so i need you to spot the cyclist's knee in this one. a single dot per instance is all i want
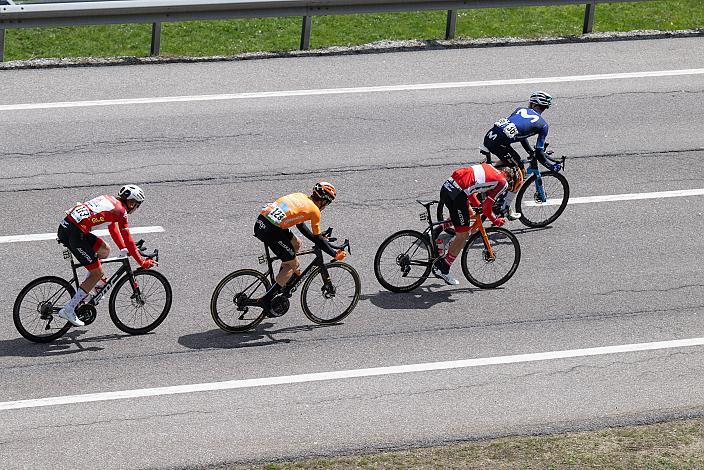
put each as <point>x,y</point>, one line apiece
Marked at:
<point>296,242</point>
<point>101,249</point>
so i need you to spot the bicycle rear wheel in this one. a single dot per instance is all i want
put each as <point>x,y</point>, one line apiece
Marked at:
<point>330,300</point>
<point>140,311</point>
<point>37,308</point>
<point>403,261</point>
<point>227,305</point>
<point>480,268</point>
<point>541,208</point>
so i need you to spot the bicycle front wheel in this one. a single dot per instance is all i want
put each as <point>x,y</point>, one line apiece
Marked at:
<point>37,308</point>
<point>485,271</point>
<point>403,261</point>
<point>329,294</point>
<point>228,305</point>
<point>540,204</point>
<point>139,310</point>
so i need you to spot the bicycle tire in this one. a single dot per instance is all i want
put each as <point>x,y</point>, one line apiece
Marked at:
<point>527,211</point>
<point>476,241</point>
<point>402,263</point>
<point>218,314</point>
<point>17,315</point>
<point>146,291</point>
<point>330,292</point>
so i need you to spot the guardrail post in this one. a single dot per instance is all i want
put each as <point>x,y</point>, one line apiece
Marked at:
<point>2,45</point>
<point>451,24</point>
<point>305,32</point>
<point>589,17</point>
<point>156,39</point>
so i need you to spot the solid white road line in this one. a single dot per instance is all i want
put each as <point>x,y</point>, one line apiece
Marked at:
<point>52,236</point>
<point>348,374</point>
<point>621,197</point>
<point>338,91</point>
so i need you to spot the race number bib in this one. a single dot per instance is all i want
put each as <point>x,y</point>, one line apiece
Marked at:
<point>509,128</point>
<point>79,213</point>
<point>275,214</point>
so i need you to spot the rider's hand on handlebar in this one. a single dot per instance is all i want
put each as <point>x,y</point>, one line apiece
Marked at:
<point>124,253</point>
<point>149,263</point>
<point>340,255</point>
<point>500,221</point>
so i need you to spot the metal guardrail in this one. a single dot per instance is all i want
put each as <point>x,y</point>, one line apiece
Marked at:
<point>47,13</point>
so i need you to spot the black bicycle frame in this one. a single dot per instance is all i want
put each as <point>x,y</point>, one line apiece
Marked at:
<point>117,275</point>
<point>295,280</point>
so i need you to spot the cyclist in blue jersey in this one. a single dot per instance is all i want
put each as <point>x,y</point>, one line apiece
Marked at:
<point>518,127</point>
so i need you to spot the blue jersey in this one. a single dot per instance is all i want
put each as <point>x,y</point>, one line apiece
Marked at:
<point>523,123</point>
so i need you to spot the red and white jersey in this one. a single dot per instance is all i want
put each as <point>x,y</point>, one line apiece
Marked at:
<point>480,179</point>
<point>98,211</point>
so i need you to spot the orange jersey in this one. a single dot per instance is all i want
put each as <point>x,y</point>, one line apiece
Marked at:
<point>291,210</point>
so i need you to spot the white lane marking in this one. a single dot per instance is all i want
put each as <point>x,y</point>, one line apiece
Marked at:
<point>620,197</point>
<point>337,91</point>
<point>348,374</point>
<point>52,236</point>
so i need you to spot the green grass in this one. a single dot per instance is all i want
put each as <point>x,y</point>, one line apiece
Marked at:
<point>282,34</point>
<point>675,445</point>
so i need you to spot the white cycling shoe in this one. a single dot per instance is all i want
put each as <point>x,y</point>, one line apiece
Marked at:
<point>512,214</point>
<point>70,316</point>
<point>449,280</point>
<point>447,277</point>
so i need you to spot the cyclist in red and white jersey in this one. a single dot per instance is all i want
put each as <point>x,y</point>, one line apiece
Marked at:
<point>75,233</point>
<point>457,194</point>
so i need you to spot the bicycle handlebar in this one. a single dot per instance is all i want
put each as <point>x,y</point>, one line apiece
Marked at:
<point>153,255</point>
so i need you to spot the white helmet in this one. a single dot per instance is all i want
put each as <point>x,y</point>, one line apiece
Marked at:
<point>131,192</point>
<point>541,98</point>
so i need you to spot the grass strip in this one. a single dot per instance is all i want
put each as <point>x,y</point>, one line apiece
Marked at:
<point>207,38</point>
<point>671,445</point>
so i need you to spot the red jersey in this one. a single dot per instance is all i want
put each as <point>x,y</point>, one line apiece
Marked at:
<point>106,210</point>
<point>482,178</point>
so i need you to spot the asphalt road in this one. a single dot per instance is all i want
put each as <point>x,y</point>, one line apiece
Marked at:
<point>605,274</point>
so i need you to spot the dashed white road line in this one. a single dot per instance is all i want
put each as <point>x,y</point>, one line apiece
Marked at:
<point>351,90</point>
<point>52,236</point>
<point>621,197</point>
<point>348,374</point>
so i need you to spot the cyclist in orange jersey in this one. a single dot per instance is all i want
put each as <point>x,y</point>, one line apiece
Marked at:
<point>273,228</point>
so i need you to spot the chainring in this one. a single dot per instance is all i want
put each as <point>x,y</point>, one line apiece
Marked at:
<point>87,313</point>
<point>279,305</point>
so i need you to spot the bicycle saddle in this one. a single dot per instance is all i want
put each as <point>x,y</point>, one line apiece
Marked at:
<point>426,203</point>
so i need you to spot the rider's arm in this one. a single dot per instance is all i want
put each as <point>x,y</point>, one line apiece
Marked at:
<point>526,145</point>
<point>128,242</point>
<point>319,240</point>
<point>116,237</point>
<point>488,204</point>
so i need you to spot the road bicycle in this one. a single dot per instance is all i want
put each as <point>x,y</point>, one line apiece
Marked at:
<point>329,293</point>
<point>405,259</point>
<point>140,301</point>
<point>542,197</point>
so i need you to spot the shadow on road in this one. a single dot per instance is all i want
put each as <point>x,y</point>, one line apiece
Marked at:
<point>519,231</point>
<point>70,343</point>
<point>262,335</point>
<point>422,298</point>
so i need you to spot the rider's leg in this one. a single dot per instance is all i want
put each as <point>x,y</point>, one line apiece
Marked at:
<point>509,157</point>
<point>102,250</point>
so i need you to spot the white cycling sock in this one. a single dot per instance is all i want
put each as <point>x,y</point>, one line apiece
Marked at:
<point>77,297</point>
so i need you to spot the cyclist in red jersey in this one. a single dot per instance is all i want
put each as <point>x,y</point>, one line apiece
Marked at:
<point>457,194</point>
<point>75,233</point>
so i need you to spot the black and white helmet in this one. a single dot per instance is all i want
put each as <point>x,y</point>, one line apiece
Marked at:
<point>131,192</point>
<point>541,98</point>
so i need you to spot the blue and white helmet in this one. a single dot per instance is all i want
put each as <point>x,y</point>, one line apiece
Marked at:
<point>541,98</point>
